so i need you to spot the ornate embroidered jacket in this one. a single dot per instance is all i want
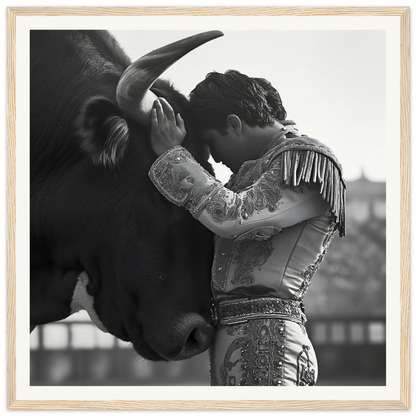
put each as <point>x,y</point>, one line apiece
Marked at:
<point>274,222</point>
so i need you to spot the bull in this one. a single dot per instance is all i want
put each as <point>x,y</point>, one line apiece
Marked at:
<point>93,207</point>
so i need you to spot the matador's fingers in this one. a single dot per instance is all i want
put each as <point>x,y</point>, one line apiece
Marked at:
<point>154,123</point>
<point>180,122</point>
<point>167,109</point>
<point>159,111</point>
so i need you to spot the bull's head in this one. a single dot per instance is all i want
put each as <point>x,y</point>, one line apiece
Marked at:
<point>155,290</point>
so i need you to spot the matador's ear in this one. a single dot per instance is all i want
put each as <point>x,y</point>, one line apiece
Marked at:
<point>234,124</point>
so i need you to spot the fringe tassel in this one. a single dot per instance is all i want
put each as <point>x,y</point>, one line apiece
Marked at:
<point>310,166</point>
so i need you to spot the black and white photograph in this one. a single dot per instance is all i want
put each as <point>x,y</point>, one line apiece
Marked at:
<point>208,205</point>
<point>140,266</point>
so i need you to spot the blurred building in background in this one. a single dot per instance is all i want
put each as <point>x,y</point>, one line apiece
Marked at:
<point>345,305</point>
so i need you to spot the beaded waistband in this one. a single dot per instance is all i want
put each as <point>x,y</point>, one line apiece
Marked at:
<point>241,310</point>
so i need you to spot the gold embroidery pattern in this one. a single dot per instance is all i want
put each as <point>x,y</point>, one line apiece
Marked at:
<point>240,310</point>
<point>259,352</point>
<point>224,249</point>
<point>224,255</point>
<point>311,270</point>
<point>220,209</point>
<point>300,159</point>
<point>306,372</point>
<point>259,233</point>
<point>197,204</point>
<point>250,255</point>
<point>264,194</point>
<point>182,180</point>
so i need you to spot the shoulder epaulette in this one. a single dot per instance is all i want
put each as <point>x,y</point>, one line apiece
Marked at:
<point>307,160</point>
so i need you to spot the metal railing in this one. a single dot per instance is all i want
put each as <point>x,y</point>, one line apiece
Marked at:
<point>351,351</point>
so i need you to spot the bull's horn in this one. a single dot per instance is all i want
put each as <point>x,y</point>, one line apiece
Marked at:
<point>133,95</point>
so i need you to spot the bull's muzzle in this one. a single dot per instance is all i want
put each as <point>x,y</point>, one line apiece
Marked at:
<point>133,95</point>
<point>175,339</point>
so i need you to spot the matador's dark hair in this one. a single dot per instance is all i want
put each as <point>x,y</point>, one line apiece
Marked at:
<point>254,100</point>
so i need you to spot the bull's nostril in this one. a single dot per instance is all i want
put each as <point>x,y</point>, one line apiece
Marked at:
<point>199,339</point>
<point>189,336</point>
<point>193,339</point>
<point>196,337</point>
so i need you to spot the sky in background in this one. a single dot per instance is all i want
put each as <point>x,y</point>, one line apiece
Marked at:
<point>332,83</point>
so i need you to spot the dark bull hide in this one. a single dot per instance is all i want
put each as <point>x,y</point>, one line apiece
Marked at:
<point>93,207</point>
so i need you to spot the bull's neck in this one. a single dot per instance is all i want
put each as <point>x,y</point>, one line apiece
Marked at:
<point>51,292</point>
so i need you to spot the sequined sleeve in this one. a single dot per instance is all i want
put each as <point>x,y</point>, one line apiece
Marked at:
<point>265,205</point>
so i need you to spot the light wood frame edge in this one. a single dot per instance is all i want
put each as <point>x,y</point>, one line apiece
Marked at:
<point>12,12</point>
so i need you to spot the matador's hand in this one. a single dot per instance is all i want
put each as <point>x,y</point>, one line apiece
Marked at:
<point>166,130</point>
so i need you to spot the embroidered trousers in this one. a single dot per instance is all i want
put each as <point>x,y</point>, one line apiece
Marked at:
<point>263,352</point>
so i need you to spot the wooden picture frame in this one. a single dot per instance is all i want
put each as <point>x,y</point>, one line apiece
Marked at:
<point>401,399</point>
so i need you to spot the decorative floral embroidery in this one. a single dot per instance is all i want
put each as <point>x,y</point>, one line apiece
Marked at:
<point>258,354</point>
<point>244,347</point>
<point>252,251</point>
<point>263,194</point>
<point>252,170</point>
<point>224,249</point>
<point>220,209</point>
<point>306,372</point>
<point>310,270</point>
<point>196,204</point>
<point>259,234</point>
<point>180,178</point>
<point>300,160</point>
<point>250,254</point>
<point>307,276</point>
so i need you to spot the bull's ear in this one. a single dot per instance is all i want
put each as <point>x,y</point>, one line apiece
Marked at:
<point>104,132</point>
